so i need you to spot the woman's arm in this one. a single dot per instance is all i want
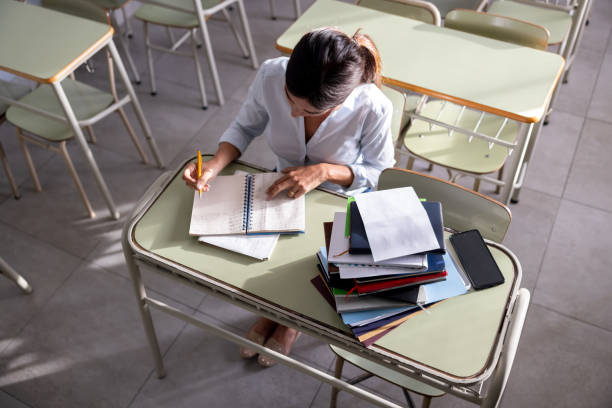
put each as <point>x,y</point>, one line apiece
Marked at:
<point>226,153</point>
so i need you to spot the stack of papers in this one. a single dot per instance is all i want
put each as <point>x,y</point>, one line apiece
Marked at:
<point>380,266</point>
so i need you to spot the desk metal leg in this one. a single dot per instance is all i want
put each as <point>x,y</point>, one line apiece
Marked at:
<point>12,274</point>
<point>514,163</point>
<point>61,95</point>
<point>136,103</point>
<point>143,307</point>
<point>247,33</point>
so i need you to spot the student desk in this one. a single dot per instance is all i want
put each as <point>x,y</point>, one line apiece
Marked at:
<point>454,347</point>
<point>484,74</point>
<point>46,46</point>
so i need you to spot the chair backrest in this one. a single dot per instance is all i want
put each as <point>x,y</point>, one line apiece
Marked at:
<point>498,27</point>
<point>79,8</point>
<point>444,6</point>
<point>398,100</point>
<point>462,209</point>
<point>415,9</point>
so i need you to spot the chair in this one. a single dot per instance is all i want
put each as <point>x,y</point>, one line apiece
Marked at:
<point>189,15</point>
<point>113,7</point>
<point>296,7</point>
<point>10,90</point>
<point>463,209</point>
<point>90,106</point>
<point>465,141</point>
<point>415,9</point>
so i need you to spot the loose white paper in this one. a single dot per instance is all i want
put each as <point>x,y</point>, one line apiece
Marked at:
<point>396,223</point>
<point>255,246</point>
<point>339,244</point>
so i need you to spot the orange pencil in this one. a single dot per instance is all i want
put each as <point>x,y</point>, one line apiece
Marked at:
<point>199,170</point>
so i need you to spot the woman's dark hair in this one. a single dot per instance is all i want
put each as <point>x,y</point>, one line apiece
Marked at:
<point>326,65</point>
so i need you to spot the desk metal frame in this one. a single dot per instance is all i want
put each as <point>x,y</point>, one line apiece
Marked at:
<point>470,389</point>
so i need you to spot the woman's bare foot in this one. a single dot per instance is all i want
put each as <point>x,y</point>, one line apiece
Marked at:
<point>281,340</point>
<point>258,333</point>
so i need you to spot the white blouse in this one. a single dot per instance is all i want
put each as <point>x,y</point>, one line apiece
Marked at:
<point>357,135</point>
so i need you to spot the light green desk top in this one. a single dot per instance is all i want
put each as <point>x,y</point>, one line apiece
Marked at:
<point>485,74</point>
<point>457,336</point>
<point>45,45</point>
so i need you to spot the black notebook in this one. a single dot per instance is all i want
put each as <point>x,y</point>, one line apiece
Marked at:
<point>358,239</point>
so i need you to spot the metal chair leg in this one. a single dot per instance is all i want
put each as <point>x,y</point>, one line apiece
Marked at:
<point>337,374</point>
<point>91,134</point>
<point>133,136</point>
<point>245,52</point>
<point>126,23</point>
<point>9,173</point>
<point>212,64</point>
<point>410,163</point>
<point>296,7</point>
<point>10,273</point>
<point>426,402</point>
<point>125,50</point>
<point>272,10</point>
<point>149,59</point>
<point>247,34</point>
<point>409,400</point>
<point>198,70</point>
<point>76,179</point>
<point>29,161</point>
<point>500,177</point>
<point>476,184</point>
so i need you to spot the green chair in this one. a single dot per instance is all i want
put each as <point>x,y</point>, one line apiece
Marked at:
<point>11,90</point>
<point>296,7</point>
<point>415,9</point>
<point>190,15</point>
<point>463,209</point>
<point>465,141</point>
<point>398,100</point>
<point>90,106</point>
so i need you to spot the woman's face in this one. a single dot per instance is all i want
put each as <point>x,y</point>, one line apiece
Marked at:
<point>301,106</point>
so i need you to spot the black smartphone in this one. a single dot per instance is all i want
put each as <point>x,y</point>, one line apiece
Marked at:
<point>476,259</point>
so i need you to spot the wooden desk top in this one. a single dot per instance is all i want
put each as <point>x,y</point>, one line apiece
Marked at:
<point>44,45</point>
<point>485,74</point>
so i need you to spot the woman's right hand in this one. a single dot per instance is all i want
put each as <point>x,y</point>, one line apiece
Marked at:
<point>190,175</point>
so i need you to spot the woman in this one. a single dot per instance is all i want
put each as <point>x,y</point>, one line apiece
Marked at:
<point>328,124</point>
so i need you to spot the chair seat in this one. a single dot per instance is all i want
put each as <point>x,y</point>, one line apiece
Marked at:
<point>557,22</point>
<point>84,99</point>
<point>436,145</point>
<point>172,18</point>
<point>388,374</point>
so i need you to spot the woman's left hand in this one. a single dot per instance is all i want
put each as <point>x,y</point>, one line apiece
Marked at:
<point>298,180</point>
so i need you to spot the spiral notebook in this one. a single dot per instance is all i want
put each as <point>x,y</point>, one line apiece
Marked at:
<point>238,204</point>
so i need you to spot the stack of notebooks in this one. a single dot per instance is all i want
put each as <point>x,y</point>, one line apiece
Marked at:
<point>374,291</point>
<point>235,214</point>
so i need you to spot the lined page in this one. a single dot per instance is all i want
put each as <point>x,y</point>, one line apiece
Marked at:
<point>220,210</point>
<point>279,214</point>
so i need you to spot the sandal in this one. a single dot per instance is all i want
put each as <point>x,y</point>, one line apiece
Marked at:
<point>258,333</point>
<point>276,345</point>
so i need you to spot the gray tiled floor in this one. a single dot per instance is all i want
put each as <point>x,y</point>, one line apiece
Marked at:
<point>78,340</point>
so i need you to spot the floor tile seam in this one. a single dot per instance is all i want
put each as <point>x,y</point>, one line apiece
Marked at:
<point>41,308</point>
<point>16,398</point>
<point>163,355</point>
<point>80,257</point>
<point>599,70</point>
<point>548,237</point>
<point>568,316</point>
<point>589,206</point>
<point>574,154</point>
<point>148,288</point>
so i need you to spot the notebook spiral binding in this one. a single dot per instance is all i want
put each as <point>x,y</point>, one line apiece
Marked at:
<point>246,200</point>
<point>251,188</point>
